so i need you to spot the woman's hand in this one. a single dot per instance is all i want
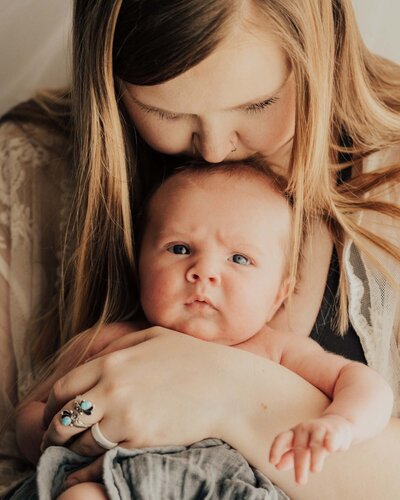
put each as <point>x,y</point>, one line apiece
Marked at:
<point>161,387</point>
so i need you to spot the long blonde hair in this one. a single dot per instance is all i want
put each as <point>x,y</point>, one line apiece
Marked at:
<point>342,91</point>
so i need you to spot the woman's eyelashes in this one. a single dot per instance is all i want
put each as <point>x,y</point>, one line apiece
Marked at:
<point>162,115</point>
<point>260,106</point>
<point>251,109</point>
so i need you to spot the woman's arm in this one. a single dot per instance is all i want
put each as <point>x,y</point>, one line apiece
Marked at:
<point>277,399</point>
<point>185,390</point>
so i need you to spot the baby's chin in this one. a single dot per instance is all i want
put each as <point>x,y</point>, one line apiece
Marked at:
<point>204,329</point>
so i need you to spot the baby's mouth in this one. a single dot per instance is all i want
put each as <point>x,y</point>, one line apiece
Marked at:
<point>200,301</point>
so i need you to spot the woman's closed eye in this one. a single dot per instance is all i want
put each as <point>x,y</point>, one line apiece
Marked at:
<point>179,249</point>
<point>260,106</point>
<point>251,109</point>
<point>240,259</point>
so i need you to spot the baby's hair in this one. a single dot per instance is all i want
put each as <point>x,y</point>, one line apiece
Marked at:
<point>250,166</point>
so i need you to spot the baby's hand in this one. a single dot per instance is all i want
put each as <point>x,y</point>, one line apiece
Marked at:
<point>306,446</point>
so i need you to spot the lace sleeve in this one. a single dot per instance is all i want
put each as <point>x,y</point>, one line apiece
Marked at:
<point>374,300</point>
<point>33,199</point>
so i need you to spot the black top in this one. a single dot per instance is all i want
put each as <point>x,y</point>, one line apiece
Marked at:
<point>324,330</point>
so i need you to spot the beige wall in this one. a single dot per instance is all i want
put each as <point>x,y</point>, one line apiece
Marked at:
<point>34,38</point>
<point>34,41</point>
<point>379,23</point>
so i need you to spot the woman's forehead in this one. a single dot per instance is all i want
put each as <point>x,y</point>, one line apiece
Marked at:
<point>246,66</point>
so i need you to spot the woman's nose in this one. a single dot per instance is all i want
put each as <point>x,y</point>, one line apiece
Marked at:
<point>214,147</point>
<point>203,272</point>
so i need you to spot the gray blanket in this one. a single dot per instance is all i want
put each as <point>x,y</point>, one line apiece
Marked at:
<point>209,469</point>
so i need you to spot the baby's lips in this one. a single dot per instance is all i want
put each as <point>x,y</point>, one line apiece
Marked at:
<point>200,298</point>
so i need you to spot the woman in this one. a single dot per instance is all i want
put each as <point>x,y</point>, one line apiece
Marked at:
<point>291,82</point>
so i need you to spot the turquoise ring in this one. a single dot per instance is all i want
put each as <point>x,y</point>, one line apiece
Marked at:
<point>72,418</point>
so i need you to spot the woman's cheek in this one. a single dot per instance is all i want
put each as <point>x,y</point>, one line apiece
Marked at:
<point>166,136</point>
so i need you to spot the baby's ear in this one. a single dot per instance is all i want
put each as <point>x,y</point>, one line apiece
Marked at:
<point>280,298</point>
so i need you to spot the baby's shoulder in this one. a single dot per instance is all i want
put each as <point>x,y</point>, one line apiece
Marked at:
<point>283,344</point>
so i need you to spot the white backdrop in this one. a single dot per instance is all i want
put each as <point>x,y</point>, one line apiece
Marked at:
<point>35,37</point>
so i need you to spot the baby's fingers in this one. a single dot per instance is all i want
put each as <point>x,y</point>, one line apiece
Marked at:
<point>286,462</point>
<point>318,455</point>
<point>302,462</point>
<point>302,454</point>
<point>317,448</point>
<point>281,444</point>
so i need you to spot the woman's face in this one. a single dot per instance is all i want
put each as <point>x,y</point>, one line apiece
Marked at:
<point>237,102</point>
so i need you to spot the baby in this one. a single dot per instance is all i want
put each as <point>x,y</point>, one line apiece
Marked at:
<point>214,265</point>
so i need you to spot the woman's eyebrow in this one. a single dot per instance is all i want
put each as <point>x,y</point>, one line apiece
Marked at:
<point>256,100</point>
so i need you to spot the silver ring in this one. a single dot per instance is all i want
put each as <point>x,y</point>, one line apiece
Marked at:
<point>72,418</point>
<point>100,439</point>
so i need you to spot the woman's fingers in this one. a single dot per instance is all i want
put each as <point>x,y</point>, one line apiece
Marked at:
<point>82,378</point>
<point>86,445</point>
<point>92,472</point>
<point>78,381</point>
<point>184,375</point>
<point>74,418</point>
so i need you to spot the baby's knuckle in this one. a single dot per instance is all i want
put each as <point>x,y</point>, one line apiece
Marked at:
<point>303,427</point>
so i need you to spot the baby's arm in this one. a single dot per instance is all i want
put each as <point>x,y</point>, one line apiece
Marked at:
<point>29,417</point>
<point>361,406</point>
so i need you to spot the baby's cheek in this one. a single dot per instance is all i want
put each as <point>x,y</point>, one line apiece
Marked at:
<point>156,301</point>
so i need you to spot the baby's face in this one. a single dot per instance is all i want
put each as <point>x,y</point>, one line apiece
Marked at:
<point>212,259</point>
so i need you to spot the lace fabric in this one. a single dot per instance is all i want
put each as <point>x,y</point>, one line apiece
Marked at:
<point>35,196</point>
<point>374,301</point>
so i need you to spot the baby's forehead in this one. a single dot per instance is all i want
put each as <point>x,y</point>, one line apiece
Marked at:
<point>188,193</point>
<point>221,177</point>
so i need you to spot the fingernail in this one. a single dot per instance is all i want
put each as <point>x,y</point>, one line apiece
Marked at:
<point>71,481</point>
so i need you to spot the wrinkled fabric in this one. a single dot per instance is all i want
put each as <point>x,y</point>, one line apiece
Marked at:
<point>209,470</point>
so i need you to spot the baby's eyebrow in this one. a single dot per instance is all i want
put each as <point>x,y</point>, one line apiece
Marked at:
<point>250,248</point>
<point>256,100</point>
<point>171,234</point>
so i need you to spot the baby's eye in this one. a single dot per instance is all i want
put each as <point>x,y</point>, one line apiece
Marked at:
<point>238,258</point>
<point>179,249</point>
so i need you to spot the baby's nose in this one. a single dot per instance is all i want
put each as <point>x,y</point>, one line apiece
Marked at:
<point>204,273</point>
